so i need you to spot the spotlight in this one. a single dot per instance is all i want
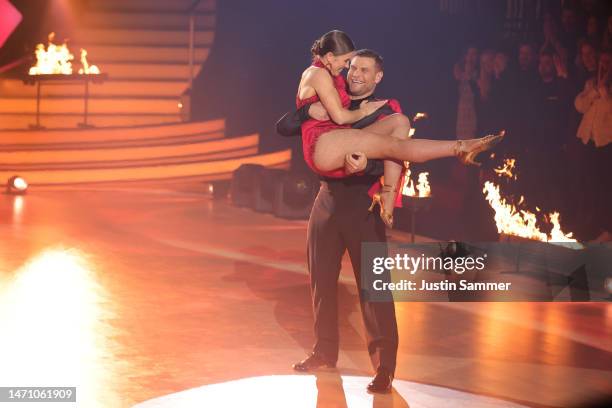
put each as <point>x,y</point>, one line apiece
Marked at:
<point>16,185</point>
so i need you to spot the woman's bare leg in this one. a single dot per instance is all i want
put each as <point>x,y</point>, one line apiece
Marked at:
<point>396,126</point>
<point>335,144</point>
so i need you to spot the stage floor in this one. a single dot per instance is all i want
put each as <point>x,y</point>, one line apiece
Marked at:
<point>133,294</point>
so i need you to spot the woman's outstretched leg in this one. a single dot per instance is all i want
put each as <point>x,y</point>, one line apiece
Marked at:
<point>334,145</point>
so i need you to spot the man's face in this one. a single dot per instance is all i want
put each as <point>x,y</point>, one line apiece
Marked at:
<point>362,76</point>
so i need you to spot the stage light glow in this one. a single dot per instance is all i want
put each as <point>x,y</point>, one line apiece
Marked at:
<point>17,185</point>
<point>52,313</point>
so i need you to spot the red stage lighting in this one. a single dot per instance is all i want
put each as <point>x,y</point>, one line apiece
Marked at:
<point>10,18</point>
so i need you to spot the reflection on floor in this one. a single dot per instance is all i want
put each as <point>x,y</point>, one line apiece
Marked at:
<point>321,390</point>
<point>133,295</point>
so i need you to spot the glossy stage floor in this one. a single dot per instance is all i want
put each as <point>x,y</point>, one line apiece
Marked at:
<point>165,298</point>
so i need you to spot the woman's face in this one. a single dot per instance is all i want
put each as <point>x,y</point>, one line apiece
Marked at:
<point>336,63</point>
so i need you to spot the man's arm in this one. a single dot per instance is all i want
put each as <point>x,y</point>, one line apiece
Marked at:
<point>368,120</point>
<point>291,122</point>
<point>375,167</point>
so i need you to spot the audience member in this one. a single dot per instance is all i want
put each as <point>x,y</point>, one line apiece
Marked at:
<point>466,74</point>
<point>587,63</point>
<point>595,103</point>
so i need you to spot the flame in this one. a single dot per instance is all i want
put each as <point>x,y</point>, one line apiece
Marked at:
<point>423,187</point>
<point>506,169</point>
<point>420,115</point>
<point>86,68</point>
<point>56,59</point>
<point>511,220</point>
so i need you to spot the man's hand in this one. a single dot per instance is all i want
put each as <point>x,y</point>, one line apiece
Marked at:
<point>317,111</point>
<point>355,162</point>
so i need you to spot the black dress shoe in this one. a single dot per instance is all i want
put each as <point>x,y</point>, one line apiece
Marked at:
<point>312,362</point>
<point>381,381</point>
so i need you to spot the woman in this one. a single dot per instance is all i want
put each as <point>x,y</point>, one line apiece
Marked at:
<point>326,143</point>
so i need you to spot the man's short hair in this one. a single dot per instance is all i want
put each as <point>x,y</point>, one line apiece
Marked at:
<point>378,59</point>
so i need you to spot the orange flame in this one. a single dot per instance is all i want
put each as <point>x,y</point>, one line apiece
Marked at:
<point>422,189</point>
<point>506,169</point>
<point>520,222</point>
<point>53,60</point>
<point>56,59</point>
<point>87,69</point>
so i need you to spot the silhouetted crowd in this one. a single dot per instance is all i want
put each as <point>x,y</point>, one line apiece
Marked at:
<point>553,96</point>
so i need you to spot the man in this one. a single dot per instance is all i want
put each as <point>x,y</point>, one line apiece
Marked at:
<point>551,122</point>
<point>340,221</point>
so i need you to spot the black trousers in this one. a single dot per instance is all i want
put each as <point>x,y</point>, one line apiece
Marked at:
<point>340,221</point>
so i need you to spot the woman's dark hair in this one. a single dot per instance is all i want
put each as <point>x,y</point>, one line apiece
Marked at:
<point>337,42</point>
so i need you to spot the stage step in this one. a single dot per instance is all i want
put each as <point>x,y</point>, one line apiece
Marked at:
<point>67,120</point>
<point>137,71</point>
<point>108,36</point>
<point>146,20</point>
<point>100,54</point>
<point>116,105</point>
<point>41,139</point>
<point>104,157</point>
<point>111,87</point>
<point>152,5</point>
<point>204,170</point>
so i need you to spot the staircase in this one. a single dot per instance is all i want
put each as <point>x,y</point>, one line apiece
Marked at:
<point>185,151</point>
<point>143,45</point>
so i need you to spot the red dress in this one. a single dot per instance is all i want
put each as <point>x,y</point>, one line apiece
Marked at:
<point>312,129</point>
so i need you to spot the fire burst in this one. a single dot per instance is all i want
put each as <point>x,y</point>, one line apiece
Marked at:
<point>56,59</point>
<point>521,223</point>
<point>423,188</point>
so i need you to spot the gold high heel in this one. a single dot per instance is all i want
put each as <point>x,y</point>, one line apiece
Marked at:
<point>485,143</point>
<point>385,216</point>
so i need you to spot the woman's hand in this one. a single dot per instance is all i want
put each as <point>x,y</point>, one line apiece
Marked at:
<point>369,107</point>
